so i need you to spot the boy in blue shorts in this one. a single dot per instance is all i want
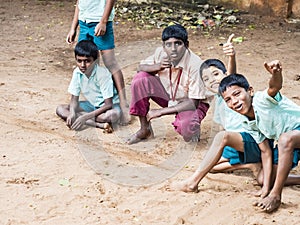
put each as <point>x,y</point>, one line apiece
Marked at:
<point>95,18</point>
<point>212,71</point>
<point>239,148</point>
<point>101,107</point>
<point>268,115</point>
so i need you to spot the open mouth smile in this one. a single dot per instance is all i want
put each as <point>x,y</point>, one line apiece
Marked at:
<point>239,107</point>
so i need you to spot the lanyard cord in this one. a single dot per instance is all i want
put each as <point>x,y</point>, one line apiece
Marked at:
<point>177,84</point>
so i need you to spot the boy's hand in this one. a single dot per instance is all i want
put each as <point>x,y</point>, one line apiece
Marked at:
<point>273,67</point>
<point>71,36</point>
<point>78,123</point>
<point>70,119</point>
<point>165,63</point>
<point>228,48</point>
<point>100,29</point>
<point>153,113</point>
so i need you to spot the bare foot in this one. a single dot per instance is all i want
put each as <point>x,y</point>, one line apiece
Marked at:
<point>269,203</point>
<point>196,138</point>
<point>257,193</point>
<point>184,186</point>
<point>140,135</point>
<point>107,128</point>
<point>255,168</point>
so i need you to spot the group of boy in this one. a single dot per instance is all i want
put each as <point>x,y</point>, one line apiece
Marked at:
<point>183,85</point>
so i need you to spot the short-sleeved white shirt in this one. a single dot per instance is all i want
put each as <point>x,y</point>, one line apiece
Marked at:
<point>98,87</point>
<point>191,85</point>
<point>92,10</point>
<point>273,116</point>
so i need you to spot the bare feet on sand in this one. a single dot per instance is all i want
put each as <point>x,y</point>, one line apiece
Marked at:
<point>140,135</point>
<point>184,186</point>
<point>195,138</point>
<point>269,203</point>
<point>107,128</point>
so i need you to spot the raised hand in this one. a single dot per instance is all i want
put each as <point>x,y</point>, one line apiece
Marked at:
<point>274,67</point>
<point>228,48</point>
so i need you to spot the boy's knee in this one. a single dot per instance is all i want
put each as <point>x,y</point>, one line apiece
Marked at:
<point>223,135</point>
<point>115,117</point>
<point>286,142</point>
<point>58,110</point>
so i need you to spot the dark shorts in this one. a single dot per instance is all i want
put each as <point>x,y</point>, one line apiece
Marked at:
<point>87,32</point>
<point>251,152</point>
<point>296,156</point>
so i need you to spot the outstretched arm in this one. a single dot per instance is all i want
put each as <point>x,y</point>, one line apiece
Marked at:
<point>275,83</point>
<point>228,50</point>
<point>187,104</point>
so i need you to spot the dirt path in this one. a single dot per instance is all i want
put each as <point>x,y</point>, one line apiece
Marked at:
<point>44,176</point>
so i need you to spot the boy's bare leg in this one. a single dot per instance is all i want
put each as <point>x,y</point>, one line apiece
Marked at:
<point>111,63</point>
<point>143,133</point>
<point>63,111</point>
<point>225,166</point>
<point>104,120</point>
<point>212,156</point>
<point>102,125</point>
<point>286,145</point>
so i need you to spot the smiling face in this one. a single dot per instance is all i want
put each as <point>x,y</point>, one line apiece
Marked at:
<point>239,100</point>
<point>212,77</point>
<point>175,49</point>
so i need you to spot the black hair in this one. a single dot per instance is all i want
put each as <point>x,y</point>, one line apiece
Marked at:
<point>86,48</point>
<point>175,31</point>
<point>233,79</point>
<point>212,62</point>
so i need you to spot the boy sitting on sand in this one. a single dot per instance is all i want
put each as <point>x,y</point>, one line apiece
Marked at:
<point>269,115</point>
<point>212,71</point>
<point>238,95</point>
<point>101,107</point>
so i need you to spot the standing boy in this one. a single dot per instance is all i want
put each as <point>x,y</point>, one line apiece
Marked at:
<point>101,107</point>
<point>95,18</point>
<point>171,78</point>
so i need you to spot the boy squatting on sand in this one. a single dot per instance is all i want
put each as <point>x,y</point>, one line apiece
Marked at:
<point>170,78</point>
<point>101,108</point>
<point>260,118</point>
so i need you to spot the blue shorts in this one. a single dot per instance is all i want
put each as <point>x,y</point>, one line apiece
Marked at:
<point>88,107</point>
<point>296,156</point>
<point>251,152</point>
<point>87,32</point>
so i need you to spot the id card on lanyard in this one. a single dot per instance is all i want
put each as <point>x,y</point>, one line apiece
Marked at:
<point>173,102</point>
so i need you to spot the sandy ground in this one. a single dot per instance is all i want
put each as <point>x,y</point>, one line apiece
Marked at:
<point>52,175</point>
